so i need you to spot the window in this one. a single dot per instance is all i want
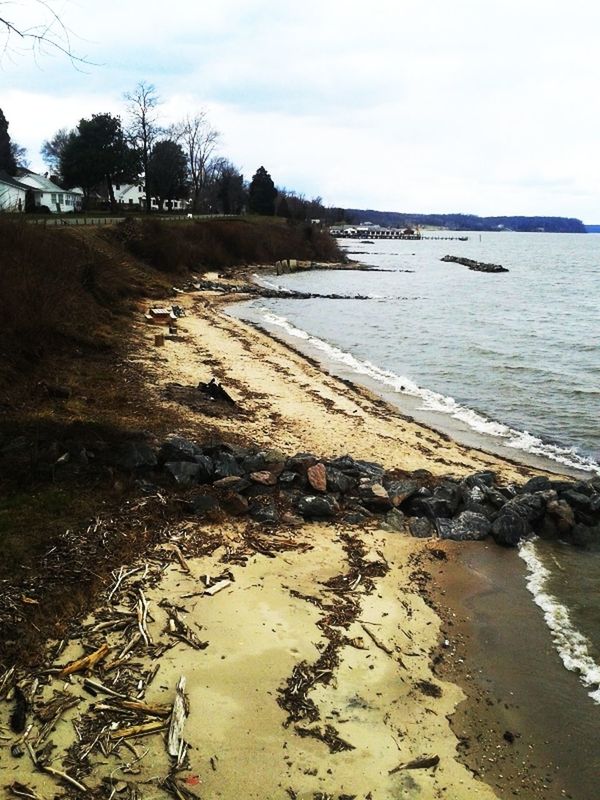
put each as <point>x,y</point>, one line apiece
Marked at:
<point>53,197</point>
<point>130,201</point>
<point>118,187</point>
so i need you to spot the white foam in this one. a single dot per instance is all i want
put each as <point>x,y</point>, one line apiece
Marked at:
<point>433,401</point>
<point>571,644</point>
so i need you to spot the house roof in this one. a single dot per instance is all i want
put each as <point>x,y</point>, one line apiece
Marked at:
<point>10,181</point>
<point>34,180</point>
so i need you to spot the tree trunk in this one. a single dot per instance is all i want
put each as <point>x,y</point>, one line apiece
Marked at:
<point>111,194</point>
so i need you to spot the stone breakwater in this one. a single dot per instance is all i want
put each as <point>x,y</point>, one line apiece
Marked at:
<point>476,266</point>
<point>256,290</point>
<point>274,489</point>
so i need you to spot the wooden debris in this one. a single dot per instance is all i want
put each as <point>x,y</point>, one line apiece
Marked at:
<point>179,555</point>
<point>216,587</point>
<point>152,710</point>
<point>377,642</point>
<point>51,712</point>
<point>64,777</point>
<point>20,790</point>
<point>145,729</point>
<point>178,791</point>
<point>178,718</point>
<point>180,630</point>
<point>87,662</point>
<point>417,763</point>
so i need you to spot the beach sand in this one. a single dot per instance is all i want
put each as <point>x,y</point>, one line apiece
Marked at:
<point>375,707</point>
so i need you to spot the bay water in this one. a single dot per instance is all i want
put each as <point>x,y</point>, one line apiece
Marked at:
<point>506,362</point>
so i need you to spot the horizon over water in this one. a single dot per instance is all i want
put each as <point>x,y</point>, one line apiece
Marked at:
<point>505,362</point>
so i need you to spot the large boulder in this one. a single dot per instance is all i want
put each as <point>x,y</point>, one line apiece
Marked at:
<point>531,507</point>
<point>132,456</point>
<point>509,528</point>
<point>399,491</point>
<point>207,468</point>
<point>317,477</point>
<point>176,448</point>
<point>421,527</point>
<point>265,514</point>
<point>185,473</point>
<point>226,465</point>
<point>317,507</point>
<point>374,496</point>
<point>468,526</point>
<point>339,482</point>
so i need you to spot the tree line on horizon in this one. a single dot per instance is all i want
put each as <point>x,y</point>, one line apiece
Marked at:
<point>178,161</point>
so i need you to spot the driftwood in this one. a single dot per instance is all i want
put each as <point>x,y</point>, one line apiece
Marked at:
<point>216,587</point>
<point>180,630</point>
<point>179,715</point>
<point>20,790</point>
<point>177,791</point>
<point>152,710</point>
<point>64,777</point>
<point>417,763</point>
<point>145,729</point>
<point>87,662</point>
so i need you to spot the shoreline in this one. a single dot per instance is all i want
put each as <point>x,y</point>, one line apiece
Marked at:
<point>385,698</point>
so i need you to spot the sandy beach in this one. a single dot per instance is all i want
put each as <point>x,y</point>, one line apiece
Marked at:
<point>306,651</point>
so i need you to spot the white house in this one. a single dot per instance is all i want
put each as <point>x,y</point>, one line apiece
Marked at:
<point>133,195</point>
<point>56,199</point>
<point>14,194</point>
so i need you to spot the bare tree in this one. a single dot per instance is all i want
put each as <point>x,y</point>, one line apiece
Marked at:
<point>143,127</point>
<point>199,140</point>
<point>34,26</point>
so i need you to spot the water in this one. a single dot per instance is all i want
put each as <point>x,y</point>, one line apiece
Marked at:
<point>507,362</point>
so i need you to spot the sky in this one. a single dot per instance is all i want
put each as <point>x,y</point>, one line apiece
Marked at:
<point>472,106</point>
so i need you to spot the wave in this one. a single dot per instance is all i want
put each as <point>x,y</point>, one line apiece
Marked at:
<point>433,401</point>
<point>571,644</point>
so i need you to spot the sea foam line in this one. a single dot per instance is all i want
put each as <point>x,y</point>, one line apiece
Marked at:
<point>571,644</point>
<point>433,401</point>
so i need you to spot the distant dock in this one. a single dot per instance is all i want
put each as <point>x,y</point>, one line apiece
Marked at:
<point>372,232</point>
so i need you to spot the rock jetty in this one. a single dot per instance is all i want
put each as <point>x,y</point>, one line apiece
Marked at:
<point>476,266</point>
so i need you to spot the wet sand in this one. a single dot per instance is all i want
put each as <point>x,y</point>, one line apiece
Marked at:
<point>502,655</point>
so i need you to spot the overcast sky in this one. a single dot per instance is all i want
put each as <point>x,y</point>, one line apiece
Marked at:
<point>480,106</point>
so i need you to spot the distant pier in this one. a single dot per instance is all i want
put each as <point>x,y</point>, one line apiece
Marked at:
<point>376,232</point>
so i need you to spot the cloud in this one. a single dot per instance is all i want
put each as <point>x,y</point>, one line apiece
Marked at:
<point>462,106</point>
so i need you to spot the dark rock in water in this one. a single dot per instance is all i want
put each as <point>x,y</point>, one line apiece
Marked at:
<point>265,514</point>
<point>132,456</point>
<point>530,507</point>
<point>584,487</point>
<point>468,526</point>
<point>420,527</point>
<point>537,484</point>
<point>207,468</point>
<point>235,504</point>
<point>204,504</point>
<point>375,497</point>
<point>226,466</point>
<point>477,266</point>
<point>509,528</point>
<point>585,536</point>
<point>394,521</point>
<point>233,483</point>
<point>399,491</point>
<point>562,513</point>
<point>595,503</point>
<point>176,448</point>
<point>317,507</point>
<point>339,482</point>
<point>185,472</point>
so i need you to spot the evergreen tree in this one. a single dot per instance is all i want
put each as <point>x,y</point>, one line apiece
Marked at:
<point>167,172</point>
<point>7,158</point>
<point>262,193</point>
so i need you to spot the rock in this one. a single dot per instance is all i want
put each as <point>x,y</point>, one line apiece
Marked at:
<point>468,526</point>
<point>369,469</point>
<point>394,521</point>
<point>399,491</point>
<point>185,473</point>
<point>300,463</point>
<point>595,503</point>
<point>577,500</point>
<point>317,477</point>
<point>529,506</point>
<point>274,457</point>
<point>563,515</point>
<point>291,519</point>
<point>264,477</point>
<point>176,448</point>
<point>375,497</point>
<point>486,478</point>
<point>235,504</point>
<point>339,482</point>
<point>439,505</point>
<point>131,456</point>
<point>420,527</point>
<point>509,528</point>
<point>207,468</point>
<point>226,466</point>
<point>265,514</point>
<point>204,505</point>
<point>537,484</point>
<point>289,479</point>
<point>317,507</point>
<point>233,483</point>
<point>255,462</point>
